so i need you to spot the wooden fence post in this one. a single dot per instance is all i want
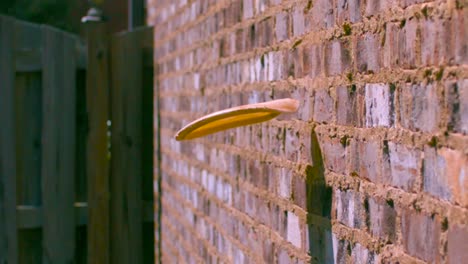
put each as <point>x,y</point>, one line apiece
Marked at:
<point>97,101</point>
<point>8,227</point>
<point>126,168</point>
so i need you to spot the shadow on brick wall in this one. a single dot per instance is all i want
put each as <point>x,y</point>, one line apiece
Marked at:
<point>319,200</point>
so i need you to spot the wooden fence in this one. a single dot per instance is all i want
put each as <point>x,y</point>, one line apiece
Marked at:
<point>55,161</point>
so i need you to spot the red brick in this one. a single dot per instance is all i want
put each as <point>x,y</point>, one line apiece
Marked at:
<point>349,208</point>
<point>282,26</point>
<point>456,100</point>
<point>248,9</point>
<point>350,106</point>
<point>444,174</point>
<point>402,166</point>
<point>364,158</point>
<point>314,55</point>
<point>460,31</point>
<point>320,16</point>
<point>419,107</point>
<point>334,153</point>
<point>337,57</point>
<point>367,53</point>
<point>457,244</point>
<point>408,44</point>
<point>323,106</point>
<point>379,105</point>
<point>421,234</point>
<point>382,219</point>
<point>348,10</point>
<point>360,254</point>
<point>297,17</point>
<point>436,42</point>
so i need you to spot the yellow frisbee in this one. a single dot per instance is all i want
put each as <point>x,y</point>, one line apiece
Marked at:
<point>235,117</point>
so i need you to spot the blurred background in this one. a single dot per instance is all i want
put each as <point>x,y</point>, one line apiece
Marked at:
<point>66,14</point>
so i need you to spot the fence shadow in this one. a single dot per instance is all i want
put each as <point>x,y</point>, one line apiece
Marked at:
<point>319,199</point>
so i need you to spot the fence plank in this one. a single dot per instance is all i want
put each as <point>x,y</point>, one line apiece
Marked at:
<point>58,146</point>
<point>97,94</point>
<point>28,168</point>
<point>8,232</point>
<point>126,166</point>
<point>28,143</point>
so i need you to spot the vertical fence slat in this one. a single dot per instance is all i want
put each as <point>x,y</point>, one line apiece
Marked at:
<point>28,150</point>
<point>58,148</point>
<point>126,202</point>
<point>97,96</point>
<point>28,138</point>
<point>8,232</point>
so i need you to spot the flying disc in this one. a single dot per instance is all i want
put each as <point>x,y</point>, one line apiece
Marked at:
<point>235,117</point>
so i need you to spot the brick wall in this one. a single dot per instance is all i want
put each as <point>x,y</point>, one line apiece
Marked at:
<point>373,168</point>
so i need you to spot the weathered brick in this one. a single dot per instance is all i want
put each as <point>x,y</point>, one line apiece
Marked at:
<point>337,57</point>
<point>408,44</point>
<point>457,244</point>
<point>364,158</point>
<point>382,219</point>
<point>367,53</point>
<point>248,9</point>
<point>349,208</point>
<point>315,56</point>
<point>282,26</point>
<point>349,106</point>
<point>456,102</point>
<point>361,254</point>
<point>348,10</point>
<point>460,31</point>
<point>284,186</point>
<point>294,231</point>
<point>334,153</point>
<point>402,166</point>
<point>299,192</point>
<point>323,106</point>
<point>298,20</point>
<point>320,16</point>
<point>444,174</point>
<point>379,105</point>
<point>421,234</point>
<point>419,107</point>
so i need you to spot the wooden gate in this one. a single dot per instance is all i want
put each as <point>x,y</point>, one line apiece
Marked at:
<point>75,145</point>
<point>42,190</point>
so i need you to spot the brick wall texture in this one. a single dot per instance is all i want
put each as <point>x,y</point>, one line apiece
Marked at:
<point>372,169</point>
